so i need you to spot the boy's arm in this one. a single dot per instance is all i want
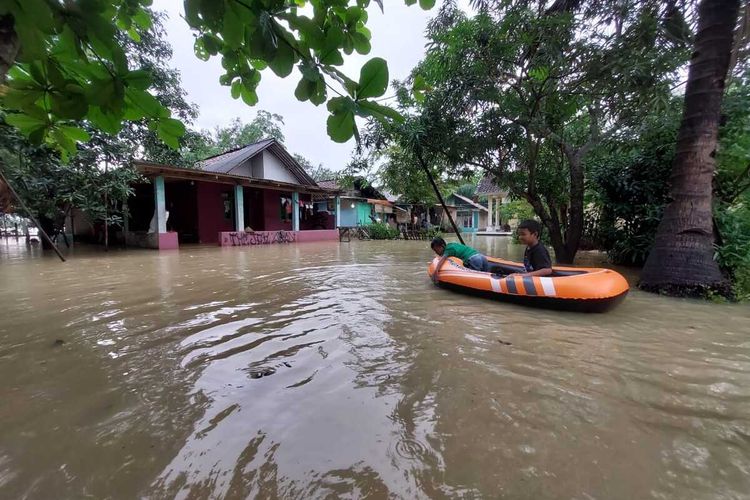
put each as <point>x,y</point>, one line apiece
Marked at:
<point>438,268</point>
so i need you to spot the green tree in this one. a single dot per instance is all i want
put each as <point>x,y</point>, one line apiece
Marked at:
<point>319,173</point>
<point>526,92</point>
<point>64,63</point>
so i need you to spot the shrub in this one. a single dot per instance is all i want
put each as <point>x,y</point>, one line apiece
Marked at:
<point>382,231</point>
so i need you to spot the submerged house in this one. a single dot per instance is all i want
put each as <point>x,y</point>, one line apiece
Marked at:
<point>259,187</point>
<point>470,216</point>
<point>361,203</point>
<point>496,196</point>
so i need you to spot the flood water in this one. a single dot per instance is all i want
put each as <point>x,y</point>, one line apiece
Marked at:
<point>327,370</point>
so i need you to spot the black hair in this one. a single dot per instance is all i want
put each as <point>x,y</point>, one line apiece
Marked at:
<point>532,225</point>
<point>437,241</point>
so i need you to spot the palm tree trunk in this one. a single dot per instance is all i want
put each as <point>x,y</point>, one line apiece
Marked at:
<point>681,261</point>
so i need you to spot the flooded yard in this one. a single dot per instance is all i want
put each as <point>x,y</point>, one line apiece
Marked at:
<point>325,370</point>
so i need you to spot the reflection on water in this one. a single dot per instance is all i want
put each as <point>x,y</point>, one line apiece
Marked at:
<point>326,370</point>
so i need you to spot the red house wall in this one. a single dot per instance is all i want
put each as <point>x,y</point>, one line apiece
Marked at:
<point>272,211</point>
<point>211,219</point>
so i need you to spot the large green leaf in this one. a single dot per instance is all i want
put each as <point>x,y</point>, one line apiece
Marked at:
<point>341,125</point>
<point>373,78</point>
<point>426,4</point>
<point>139,79</point>
<point>233,31</point>
<point>378,111</point>
<point>104,120</point>
<point>146,102</point>
<point>283,63</point>
<point>68,106</point>
<point>75,133</point>
<point>25,123</point>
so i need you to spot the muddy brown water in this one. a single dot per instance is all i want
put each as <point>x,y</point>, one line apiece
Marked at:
<point>326,370</point>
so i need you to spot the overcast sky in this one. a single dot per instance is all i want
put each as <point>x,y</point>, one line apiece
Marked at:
<point>397,36</point>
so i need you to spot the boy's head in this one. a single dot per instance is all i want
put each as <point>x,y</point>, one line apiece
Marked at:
<point>438,245</point>
<point>529,232</point>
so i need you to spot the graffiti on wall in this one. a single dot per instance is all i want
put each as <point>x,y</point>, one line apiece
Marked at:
<point>242,238</point>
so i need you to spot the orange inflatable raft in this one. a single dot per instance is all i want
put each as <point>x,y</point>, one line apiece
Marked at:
<point>568,288</point>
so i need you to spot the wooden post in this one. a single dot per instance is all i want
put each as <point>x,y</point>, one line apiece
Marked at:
<point>31,216</point>
<point>440,197</point>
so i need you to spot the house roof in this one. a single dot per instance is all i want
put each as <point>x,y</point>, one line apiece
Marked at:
<point>360,188</point>
<point>470,202</point>
<point>224,163</point>
<point>488,186</point>
<point>150,170</point>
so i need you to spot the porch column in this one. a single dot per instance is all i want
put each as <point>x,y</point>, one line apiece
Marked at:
<point>161,204</point>
<point>489,212</point>
<point>497,213</point>
<point>295,211</point>
<point>338,211</point>
<point>239,208</point>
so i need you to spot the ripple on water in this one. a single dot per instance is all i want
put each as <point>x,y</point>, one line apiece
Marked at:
<point>411,449</point>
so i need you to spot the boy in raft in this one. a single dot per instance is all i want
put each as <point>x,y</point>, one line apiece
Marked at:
<point>536,258</point>
<point>471,257</point>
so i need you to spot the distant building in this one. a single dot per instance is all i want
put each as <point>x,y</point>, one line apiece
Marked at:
<point>470,216</point>
<point>259,186</point>
<point>495,197</point>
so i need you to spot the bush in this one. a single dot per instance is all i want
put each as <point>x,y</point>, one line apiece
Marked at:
<point>733,252</point>
<point>629,186</point>
<point>382,231</point>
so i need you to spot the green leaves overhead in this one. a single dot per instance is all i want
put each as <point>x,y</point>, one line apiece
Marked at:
<point>71,68</point>
<point>341,125</point>
<point>373,78</point>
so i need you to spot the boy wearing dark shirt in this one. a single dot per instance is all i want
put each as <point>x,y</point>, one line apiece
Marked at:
<point>536,258</point>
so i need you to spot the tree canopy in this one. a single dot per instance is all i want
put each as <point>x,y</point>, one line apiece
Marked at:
<point>65,62</point>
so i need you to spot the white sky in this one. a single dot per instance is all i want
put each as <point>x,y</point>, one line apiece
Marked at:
<point>397,36</point>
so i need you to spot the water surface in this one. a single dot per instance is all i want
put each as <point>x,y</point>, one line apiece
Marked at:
<point>324,370</point>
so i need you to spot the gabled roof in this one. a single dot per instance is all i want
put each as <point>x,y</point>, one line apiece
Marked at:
<point>224,163</point>
<point>470,202</point>
<point>360,189</point>
<point>329,184</point>
<point>488,186</point>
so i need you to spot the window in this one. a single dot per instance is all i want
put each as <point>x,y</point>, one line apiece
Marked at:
<point>227,201</point>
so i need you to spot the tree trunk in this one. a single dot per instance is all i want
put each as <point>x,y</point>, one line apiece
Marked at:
<point>681,261</point>
<point>9,45</point>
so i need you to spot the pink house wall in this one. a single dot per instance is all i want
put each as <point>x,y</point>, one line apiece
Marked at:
<point>211,219</point>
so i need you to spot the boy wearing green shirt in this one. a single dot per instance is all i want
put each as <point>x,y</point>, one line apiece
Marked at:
<point>471,258</point>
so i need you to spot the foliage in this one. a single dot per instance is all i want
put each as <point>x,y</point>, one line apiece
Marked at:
<point>382,231</point>
<point>319,173</point>
<point>733,252</point>
<point>71,68</point>
<point>525,93</point>
<point>629,187</point>
<point>50,189</point>
<point>467,190</point>
<point>516,209</point>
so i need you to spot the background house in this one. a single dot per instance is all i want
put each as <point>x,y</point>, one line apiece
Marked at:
<point>260,186</point>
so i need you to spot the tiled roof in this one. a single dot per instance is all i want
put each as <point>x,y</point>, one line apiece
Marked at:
<point>488,186</point>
